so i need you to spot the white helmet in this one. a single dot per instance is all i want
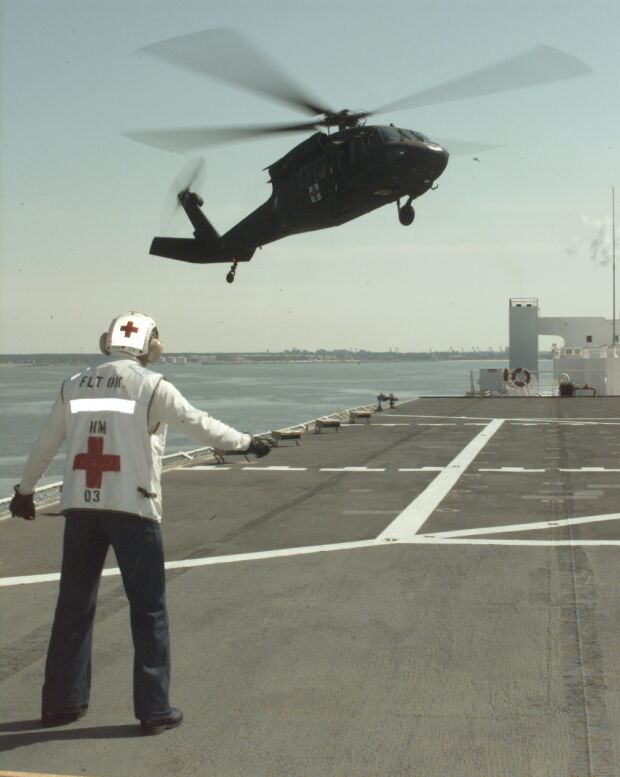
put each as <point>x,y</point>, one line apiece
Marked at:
<point>133,333</point>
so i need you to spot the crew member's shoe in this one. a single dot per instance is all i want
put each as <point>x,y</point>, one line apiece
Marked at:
<point>159,725</point>
<point>50,718</point>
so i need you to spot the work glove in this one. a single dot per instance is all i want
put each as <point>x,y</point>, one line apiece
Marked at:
<point>259,447</point>
<point>22,505</point>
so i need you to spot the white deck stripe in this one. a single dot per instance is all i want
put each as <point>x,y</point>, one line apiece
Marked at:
<point>590,469</point>
<point>208,561</point>
<point>510,469</point>
<point>275,469</point>
<point>422,469</point>
<point>421,540</point>
<point>351,469</point>
<point>606,421</point>
<point>523,526</point>
<point>205,468</point>
<point>412,517</point>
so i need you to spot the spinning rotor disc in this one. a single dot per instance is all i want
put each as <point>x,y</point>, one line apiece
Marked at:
<point>190,178</point>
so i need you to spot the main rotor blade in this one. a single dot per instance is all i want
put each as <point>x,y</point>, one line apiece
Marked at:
<point>192,138</point>
<point>538,65</point>
<point>225,54</point>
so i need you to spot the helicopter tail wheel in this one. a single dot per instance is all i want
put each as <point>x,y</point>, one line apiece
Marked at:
<point>406,214</point>
<point>230,275</point>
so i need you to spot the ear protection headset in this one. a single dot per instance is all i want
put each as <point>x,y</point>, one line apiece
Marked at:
<point>156,348</point>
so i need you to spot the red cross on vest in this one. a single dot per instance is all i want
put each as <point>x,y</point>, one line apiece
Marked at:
<point>95,462</point>
<point>129,329</point>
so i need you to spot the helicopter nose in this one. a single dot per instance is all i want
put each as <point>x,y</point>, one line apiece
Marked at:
<point>439,158</point>
<point>428,160</point>
<point>434,161</point>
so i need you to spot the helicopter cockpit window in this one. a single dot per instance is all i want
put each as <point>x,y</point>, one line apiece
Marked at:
<point>420,136</point>
<point>390,134</point>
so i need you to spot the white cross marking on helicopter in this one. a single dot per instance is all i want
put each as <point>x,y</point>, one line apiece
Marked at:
<point>314,192</point>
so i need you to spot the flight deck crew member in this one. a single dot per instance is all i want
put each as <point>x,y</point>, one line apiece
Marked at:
<point>114,417</point>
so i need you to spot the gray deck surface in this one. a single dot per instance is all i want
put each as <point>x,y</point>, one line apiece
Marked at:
<point>392,621</point>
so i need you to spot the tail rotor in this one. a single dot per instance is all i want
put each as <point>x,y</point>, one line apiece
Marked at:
<point>191,178</point>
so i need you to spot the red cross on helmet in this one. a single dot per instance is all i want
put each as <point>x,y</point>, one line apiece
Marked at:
<point>132,333</point>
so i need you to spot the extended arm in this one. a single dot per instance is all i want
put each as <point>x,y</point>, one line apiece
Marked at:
<point>170,407</point>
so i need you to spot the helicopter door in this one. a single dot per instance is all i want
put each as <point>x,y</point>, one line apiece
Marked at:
<point>317,185</point>
<point>315,181</point>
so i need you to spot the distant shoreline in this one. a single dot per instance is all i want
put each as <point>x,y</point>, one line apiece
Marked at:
<point>219,359</point>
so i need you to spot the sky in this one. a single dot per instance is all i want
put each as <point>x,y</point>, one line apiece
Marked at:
<point>80,203</point>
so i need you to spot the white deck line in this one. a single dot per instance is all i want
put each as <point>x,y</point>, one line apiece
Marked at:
<point>589,470</point>
<point>422,540</point>
<point>590,420</point>
<point>352,469</point>
<point>207,561</point>
<point>509,469</point>
<point>275,469</point>
<point>523,526</point>
<point>205,468</point>
<point>409,522</point>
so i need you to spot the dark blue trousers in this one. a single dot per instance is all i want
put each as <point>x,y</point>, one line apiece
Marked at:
<point>139,550</point>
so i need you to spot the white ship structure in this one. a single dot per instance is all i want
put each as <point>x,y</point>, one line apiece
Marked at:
<point>586,364</point>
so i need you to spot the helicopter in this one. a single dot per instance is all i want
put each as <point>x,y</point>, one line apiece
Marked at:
<point>333,176</point>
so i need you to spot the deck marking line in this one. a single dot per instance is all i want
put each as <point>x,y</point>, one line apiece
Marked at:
<point>551,524</point>
<point>509,469</point>
<point>351,469</point>
<point>584,420</point>
<point>32,774</point>
<point>208,561</point>
<point>590,469</point>
<point>275,469</point>
<point>204,468</point>
<point>420,539</point>
<point>410,521</point>
<point>422,469</point>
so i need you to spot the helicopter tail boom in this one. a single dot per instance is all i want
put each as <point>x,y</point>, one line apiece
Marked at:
<point>206,245</point>
<point>186,249</point>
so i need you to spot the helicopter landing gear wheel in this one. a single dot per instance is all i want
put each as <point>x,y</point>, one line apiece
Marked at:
<point>406,214</point>
<point>230,275</point>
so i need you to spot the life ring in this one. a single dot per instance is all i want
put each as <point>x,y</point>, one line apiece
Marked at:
<point>526,377</point>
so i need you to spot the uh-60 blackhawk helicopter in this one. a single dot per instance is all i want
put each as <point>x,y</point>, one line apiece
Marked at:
<point>331,177</point>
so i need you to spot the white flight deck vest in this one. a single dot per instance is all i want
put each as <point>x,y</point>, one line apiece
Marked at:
<point>113,463</point>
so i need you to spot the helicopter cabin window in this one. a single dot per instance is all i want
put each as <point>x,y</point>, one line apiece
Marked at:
<point>391,134</point>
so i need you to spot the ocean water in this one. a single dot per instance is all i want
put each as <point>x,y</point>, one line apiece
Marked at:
<point>251,397</point>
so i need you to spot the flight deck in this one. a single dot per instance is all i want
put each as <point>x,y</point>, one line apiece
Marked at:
<point>430,591</point>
